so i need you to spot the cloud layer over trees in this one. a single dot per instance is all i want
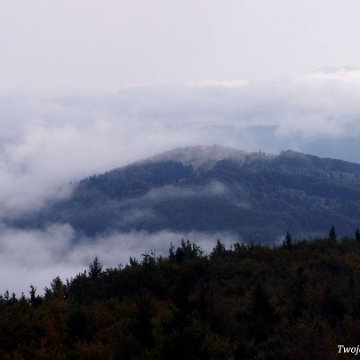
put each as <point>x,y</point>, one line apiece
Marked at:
<point>48,141</point>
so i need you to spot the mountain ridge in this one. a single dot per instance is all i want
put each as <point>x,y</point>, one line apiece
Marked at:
<point>197,155</point>
<point>212,189</point>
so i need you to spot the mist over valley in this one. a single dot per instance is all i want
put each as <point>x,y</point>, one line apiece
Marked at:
<point>57,152</point>
<point>179,179</point>
<point>213,189</point>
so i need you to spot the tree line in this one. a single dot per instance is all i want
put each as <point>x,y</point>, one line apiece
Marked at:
<point>294,300</point>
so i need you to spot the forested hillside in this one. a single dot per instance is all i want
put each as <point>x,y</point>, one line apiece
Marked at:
<point>211,189</point>
<point>298,300</point>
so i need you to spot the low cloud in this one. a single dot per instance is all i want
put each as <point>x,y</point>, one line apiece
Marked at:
<point>141,210</point>
<point>48,141</point>
<point>214,188</point>
<point>36,257</point>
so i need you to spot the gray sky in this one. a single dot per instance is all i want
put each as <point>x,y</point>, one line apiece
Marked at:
<point>87,86</point>
<point>87,45</point>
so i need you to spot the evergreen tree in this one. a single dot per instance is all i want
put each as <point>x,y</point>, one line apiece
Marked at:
<point>218,250</point>
<point>357,234</point>
<point>95,268</point>
<point>57,288</point>
<point>332,233</point>
<point>35,300</point>
<point>172,252</point>
<point>287,242</point>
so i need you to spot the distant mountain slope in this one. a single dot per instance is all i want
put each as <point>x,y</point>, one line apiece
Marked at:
<point>199,156</point>
<point>215,189</point>
<point>347,148</point>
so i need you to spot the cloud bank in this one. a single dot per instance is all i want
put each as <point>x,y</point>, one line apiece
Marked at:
<point>36,257</point>
<point>50,140</point>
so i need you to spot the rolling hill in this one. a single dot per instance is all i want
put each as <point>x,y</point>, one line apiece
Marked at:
<point>214,189</point>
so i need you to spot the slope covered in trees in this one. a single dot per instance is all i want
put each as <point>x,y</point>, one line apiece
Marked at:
<point>298,300</point>
<point>214,189</point>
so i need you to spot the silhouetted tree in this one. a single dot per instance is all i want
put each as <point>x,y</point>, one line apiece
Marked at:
<point>287,242</point>
<point>218,250</point>
<point>172,252</point>
<point>332,233</point>
<point>34,300</point>
<point>357,234</point>
<point>57,288</point>
<point>95,268</point>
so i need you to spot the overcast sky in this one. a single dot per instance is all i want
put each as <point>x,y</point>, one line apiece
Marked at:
<point>87,45</point>
<point>86,86</point>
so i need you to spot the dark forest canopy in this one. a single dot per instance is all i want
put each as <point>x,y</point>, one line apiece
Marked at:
<point>297,300</point>
<point>214,189</point>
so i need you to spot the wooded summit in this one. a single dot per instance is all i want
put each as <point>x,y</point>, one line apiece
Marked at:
<point>214,188</point>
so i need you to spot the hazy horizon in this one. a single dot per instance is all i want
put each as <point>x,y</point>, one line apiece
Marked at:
<point>86,87</point>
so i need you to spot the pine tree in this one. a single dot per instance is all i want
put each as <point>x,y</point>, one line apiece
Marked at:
<point>332,233</point>
<point>218,250</point>
<point>357,234</point>
<point>95,268</point>
<point>287,242</point>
